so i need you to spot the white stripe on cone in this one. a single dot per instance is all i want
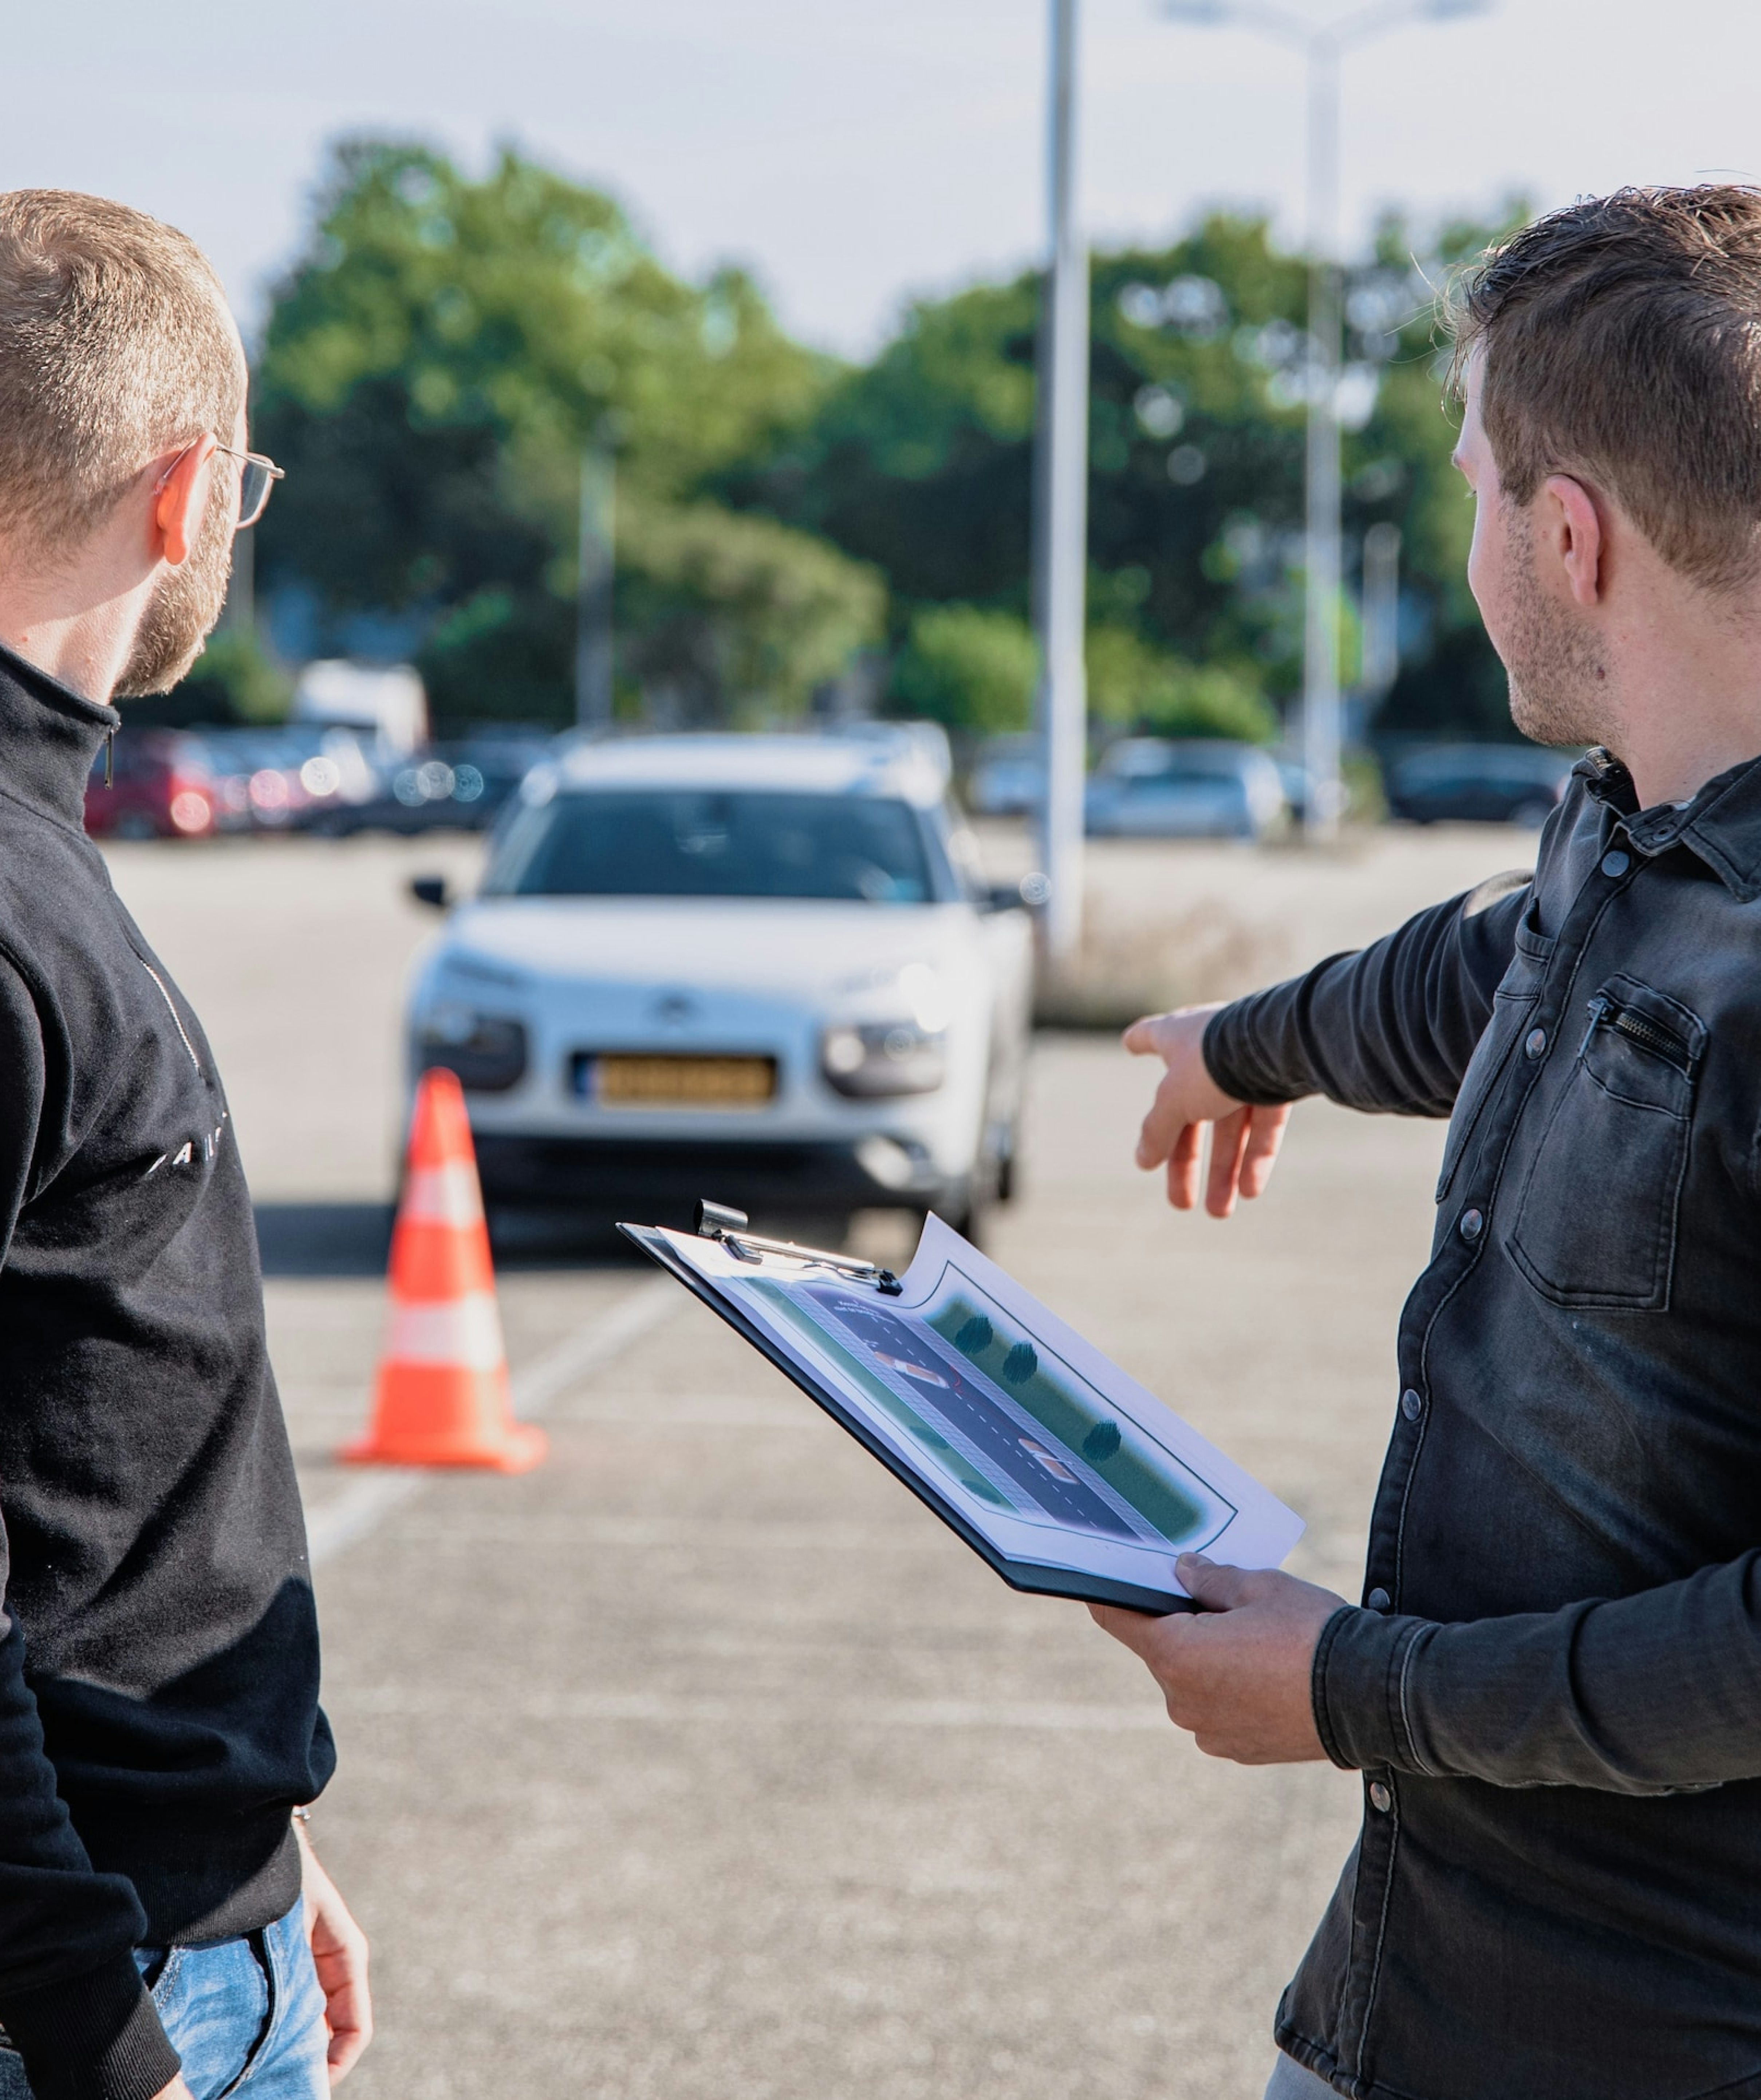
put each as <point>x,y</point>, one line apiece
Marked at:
<point>465,1330</point>
<point>443,1195</point>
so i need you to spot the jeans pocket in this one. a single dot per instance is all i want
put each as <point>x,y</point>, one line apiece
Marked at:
<point>1595,1221</point>
<point>215,2002</point>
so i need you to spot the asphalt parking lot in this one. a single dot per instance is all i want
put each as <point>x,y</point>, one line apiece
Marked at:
<point>701,1764</point>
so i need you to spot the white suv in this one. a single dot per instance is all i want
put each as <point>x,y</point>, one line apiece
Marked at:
<point>756,969</point>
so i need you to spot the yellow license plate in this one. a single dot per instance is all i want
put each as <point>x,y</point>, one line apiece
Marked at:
<point>683,1082</point>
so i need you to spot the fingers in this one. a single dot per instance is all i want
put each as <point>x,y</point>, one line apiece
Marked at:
<point>1216,1587</point>
<point>340,1955</point>
<point>1228,1141</point>
<point>348,2002</point>
<point>1169,1116</point>
<point>1183,1167</point>
<point>1265,1134</point>
<point>1141,1038</point>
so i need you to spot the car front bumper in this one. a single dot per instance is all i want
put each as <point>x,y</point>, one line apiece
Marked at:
<point>658,1180</point>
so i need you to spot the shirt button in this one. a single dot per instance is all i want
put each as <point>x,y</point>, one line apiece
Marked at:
<point>1472,1222</point>
<point>1616,862</point>
<point>1380,1799</point>
<point>1534,1043</point>
<point>1378,1600</point>
<point>1412,1407</point>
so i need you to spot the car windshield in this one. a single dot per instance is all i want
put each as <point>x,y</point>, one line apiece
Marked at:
<point>694,842</point>
<point>1156,768</point>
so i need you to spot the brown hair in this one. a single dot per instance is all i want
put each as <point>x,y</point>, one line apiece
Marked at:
<point>1622,342</point>
<point>115,347</point>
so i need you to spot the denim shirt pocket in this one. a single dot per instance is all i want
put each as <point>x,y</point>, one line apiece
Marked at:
<point>1512,1003</point>
<point>1595,1221</point>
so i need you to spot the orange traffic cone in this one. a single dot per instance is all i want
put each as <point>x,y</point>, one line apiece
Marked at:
<point>442,1396</point>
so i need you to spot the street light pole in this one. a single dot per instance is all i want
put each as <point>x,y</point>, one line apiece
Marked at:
<point>1061,505</point>
<point>1321,590</point>
<point>1322,46</point>
<point>595,563</point>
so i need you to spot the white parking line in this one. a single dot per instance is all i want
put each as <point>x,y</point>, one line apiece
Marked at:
<point>364,1503</point>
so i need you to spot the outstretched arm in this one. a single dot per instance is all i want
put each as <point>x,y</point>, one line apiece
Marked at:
<point>1390,1028</point>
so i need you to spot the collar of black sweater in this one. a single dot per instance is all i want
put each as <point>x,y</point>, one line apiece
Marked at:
<point>49,738</point>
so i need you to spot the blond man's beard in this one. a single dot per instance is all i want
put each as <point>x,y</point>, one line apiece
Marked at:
<point>187,601</point>
<point>1558,676</point>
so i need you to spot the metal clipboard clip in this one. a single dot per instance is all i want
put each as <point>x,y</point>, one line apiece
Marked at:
<point>721,1222</point>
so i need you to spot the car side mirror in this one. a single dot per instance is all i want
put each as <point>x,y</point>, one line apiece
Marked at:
<point>429,890</point>
<point>1030,894</point>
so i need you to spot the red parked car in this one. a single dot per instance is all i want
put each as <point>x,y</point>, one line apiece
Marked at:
<point>162,787</point>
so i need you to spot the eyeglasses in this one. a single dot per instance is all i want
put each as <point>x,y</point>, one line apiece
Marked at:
<point>258,474</point>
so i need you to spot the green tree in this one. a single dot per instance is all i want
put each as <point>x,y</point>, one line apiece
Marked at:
<point>433,365</point>
<point>967,668</point>
<point>922,462</point>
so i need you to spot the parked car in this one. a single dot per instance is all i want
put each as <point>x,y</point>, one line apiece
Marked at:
<point>1179,787</point>
<point>162,785</point>
<point>745,968</point>
<point>1008,778</point>
<point>281,777</point>
<point>461,785</point>
<point>1489,783</point>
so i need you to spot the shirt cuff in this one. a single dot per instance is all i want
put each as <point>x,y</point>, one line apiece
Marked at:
<point>92,2036</point>
<point>1359,1684</point>
<point>1229,1053</point>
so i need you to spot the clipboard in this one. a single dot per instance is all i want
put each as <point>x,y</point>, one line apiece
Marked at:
<point>1064,1476</point>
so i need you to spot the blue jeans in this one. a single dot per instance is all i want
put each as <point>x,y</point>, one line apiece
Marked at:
<point>246,2016</point>
<point>1290,2081</point>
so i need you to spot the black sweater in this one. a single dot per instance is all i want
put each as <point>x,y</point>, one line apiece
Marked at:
<point>158,1646</point>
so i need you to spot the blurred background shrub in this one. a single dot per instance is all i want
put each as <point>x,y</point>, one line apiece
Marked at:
<point>966,667</point>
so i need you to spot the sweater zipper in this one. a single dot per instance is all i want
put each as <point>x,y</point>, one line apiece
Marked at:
<point>177,1019</point>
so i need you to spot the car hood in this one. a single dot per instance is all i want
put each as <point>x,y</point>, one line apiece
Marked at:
<point>788,945</point>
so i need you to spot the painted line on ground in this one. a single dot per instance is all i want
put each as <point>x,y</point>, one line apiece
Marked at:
<point>364,1504</point>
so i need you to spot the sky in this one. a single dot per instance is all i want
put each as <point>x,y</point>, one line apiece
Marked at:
<point>853,153</point>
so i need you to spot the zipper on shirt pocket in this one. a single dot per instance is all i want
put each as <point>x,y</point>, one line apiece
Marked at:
<point>1637,1027</point>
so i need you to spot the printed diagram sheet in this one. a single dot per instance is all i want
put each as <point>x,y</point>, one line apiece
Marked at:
<point>998,1413</point>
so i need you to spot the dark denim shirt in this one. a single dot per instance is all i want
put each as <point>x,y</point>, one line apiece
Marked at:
<point>1553,1687</point>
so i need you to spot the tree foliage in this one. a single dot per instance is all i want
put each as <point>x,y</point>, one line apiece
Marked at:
<point>434,364</point>
<point>444,348</point>
<point>921,463</point>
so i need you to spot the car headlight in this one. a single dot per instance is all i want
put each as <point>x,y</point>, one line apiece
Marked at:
<point>864,1058</point>
<point>487,1051</point>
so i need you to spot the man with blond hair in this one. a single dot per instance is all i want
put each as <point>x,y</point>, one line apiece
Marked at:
<point>164,1928</point>
<point>1551,1686</point>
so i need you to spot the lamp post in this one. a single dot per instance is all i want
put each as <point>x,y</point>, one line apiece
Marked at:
<point>594,578</point>
<point>1061,505</point>
<point>1322,44</point>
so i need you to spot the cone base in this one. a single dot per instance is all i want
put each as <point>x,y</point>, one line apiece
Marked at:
<point>518,1450</point>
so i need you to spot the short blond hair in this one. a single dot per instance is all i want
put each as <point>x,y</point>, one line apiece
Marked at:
<point>116,346</point>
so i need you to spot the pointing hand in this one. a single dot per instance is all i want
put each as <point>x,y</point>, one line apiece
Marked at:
<point>1245,1140</point>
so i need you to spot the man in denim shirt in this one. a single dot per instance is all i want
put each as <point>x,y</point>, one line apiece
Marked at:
<point>1552,1684</point>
